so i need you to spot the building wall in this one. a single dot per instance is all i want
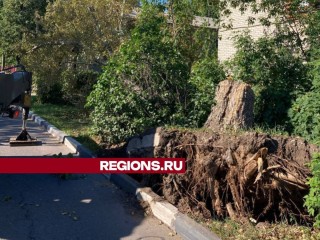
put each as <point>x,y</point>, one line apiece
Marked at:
<point>239,21</point>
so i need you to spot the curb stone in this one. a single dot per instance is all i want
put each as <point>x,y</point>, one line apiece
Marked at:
<point>183,225</point>
<point>70,142</point>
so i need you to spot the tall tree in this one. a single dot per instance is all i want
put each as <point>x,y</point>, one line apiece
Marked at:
<point>144,84</point>
<point>147,83</point>
<point>18,19</point>
<point>79,35</point>
<point>194,42</point>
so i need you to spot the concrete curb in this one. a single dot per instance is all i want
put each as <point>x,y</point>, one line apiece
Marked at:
<point>183,225</point>
<point>70,142</point>
<point>167,213</point>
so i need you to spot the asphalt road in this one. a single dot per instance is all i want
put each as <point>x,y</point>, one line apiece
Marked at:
<point>46,207</point>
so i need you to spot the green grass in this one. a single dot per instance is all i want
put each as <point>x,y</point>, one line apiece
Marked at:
<point>72,120</point>
<point>275,131</point>
<point>230,230</point>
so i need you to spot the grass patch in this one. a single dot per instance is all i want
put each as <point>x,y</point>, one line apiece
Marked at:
<point>230,230</point>
<point>72,120</point>
<point>275,131</point>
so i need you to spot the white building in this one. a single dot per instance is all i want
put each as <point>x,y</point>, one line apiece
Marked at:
<point>239,23</point>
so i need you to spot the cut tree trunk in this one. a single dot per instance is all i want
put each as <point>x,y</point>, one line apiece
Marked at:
<point>234,107</point>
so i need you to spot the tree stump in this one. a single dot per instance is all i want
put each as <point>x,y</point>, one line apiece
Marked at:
<point>233,107</point>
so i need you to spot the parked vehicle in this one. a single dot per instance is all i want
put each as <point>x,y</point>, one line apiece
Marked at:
<point>15,96</point>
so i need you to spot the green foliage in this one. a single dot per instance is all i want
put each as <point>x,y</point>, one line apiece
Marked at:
<point>274,131</point>
<point>193,43</point>
<point>148,82</point>
<point>205,76</point>
<point>291,20</point>
<point>305,116</point>
<point>276,74</point>
<point>312,199</point>
<point>77,38</point>
<point>18,19</point>
<point>144,85</point>
<point>305,112</point>
<point>72,88</point>
<point>77,85</point>
<point>313,31</point>
<point>50,94</point>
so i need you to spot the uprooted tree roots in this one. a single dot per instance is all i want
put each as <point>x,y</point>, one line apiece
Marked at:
<point>242,176</point>
<point>238,174</point>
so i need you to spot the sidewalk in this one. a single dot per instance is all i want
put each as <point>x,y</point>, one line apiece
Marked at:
<point>12,127</point>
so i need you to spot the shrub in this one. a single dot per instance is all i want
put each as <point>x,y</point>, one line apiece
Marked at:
<point>147,82</point>
<point>77,85</point>
<point>276,74</point>
<point>205,76</point>
<point>305,112</point>
<point>70,87</point>
<point>50,93</point>
<point>144,85</point>
<point>305,118</point>
<point>312,199</point>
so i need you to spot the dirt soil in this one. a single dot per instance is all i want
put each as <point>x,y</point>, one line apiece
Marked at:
<point>244,176</point>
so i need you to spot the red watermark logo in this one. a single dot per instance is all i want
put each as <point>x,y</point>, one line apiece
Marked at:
<point>93,165</point>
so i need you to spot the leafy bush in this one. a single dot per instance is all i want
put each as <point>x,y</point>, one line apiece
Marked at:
<point>50,93</point>
<point>305,116</point>
<point>312,199</point>
<point>144,85</point>
<point>276,74</point>
<point>305,112</point>
<point>69,87</point>
<point>77,85</point>
<point>147,83</point>
<point>205,76</point>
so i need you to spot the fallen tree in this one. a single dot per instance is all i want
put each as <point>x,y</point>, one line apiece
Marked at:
<point>232,171</point>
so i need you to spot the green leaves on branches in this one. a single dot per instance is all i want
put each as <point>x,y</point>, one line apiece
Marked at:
<point>147,83</point>
<point>276,74</point>
<point>312,200</point>
<point>144,84</point>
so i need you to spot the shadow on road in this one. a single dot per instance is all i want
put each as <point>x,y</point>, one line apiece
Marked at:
<point>46,207</point>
